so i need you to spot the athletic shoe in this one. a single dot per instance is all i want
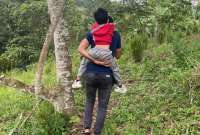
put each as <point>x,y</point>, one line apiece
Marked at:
<point>76,84</point>
<point>121,89</point>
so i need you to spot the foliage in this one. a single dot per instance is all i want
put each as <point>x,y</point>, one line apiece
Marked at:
<point>27,24</point>
<point>43,121</point>
<point>75,21</point>
<point>157,101</point>
<point>91,5</point>
<point>197,11</point>
<point>163,89</point>
<point>186,51</point>
<point>157,17</point>
<point>24,27</point>
<point>138,44</point>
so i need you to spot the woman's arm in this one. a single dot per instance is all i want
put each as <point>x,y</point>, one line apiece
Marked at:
<point>116,45</point>
<point>83,51</point>
<point>118,53</point>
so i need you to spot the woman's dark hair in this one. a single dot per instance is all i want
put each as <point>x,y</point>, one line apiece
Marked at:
<point>101,16</point>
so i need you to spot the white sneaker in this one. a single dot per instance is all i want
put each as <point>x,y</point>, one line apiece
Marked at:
<point>76,84</point>
<point>122,89</point>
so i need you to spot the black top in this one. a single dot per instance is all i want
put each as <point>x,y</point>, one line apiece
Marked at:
<point>116,44</point>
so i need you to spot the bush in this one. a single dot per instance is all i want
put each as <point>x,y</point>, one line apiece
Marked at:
<point>181,52</point>
<point>25,25</point>
<point>138,44</point>
<point>186,52</point>
<point>18,57</point>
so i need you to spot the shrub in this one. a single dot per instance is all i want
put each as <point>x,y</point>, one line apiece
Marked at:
<point>24,29</point>
<point>186,52</point>
<point>181,52</point>
<point>138,44</point>
<point>18,57</point>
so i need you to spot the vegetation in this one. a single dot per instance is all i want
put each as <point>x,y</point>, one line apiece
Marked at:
<point>160,65</point>
<point>138,44</point>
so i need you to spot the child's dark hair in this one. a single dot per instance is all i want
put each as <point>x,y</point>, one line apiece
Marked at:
<point>110,19</point>
<point>101,16</point>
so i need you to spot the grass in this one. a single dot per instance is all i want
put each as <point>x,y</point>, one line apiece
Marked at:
<point>44,120</point>
<point>12,104</point>
<point>157,102</point>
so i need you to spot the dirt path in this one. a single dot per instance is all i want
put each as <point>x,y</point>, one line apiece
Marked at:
<point>78,128</point>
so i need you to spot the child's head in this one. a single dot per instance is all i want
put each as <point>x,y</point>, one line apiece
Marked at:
<point>101,16</point>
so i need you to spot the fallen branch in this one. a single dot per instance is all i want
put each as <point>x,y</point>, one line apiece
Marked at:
<point>47,94</point>
<point>16,84</point>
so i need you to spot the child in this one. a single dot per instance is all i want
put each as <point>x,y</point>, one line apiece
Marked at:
<point>102,36</point>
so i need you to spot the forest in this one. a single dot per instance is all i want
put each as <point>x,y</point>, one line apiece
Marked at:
<point>160,66</point>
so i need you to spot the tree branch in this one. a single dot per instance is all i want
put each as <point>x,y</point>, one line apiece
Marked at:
<point>47,94</point>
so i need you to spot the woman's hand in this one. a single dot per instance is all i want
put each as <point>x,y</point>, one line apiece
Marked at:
<point>103,63</point>
<point>83,51</point>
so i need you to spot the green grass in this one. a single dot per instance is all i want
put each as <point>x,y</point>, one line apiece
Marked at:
<point>157,102</point>
<point>12,103</point>
<point>49,77</point>
<point>45,120</point>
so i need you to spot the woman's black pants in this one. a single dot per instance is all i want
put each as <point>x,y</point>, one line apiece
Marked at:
<point>102,84</point>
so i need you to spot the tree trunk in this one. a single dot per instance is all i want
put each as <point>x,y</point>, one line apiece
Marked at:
<point>43,54</point>
<point>64,102</point>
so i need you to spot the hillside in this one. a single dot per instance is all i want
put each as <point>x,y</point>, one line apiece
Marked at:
<point>162,97</point>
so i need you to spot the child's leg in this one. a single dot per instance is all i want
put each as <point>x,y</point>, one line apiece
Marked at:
<point>116,72</point>
<point>106,54</point>
<point>100,53</point>
<point>83,64</point>
<point>94,53</point>
<point>82,68</point>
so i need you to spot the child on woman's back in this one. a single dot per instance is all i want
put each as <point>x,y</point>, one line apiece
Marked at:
<point>102,36</point>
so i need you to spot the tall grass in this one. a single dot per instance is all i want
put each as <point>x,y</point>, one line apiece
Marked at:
<point>138,44</point>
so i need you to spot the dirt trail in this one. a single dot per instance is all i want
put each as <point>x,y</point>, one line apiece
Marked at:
<point>77,129</point>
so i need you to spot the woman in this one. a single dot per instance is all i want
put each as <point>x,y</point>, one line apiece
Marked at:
<point>98,77</point>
